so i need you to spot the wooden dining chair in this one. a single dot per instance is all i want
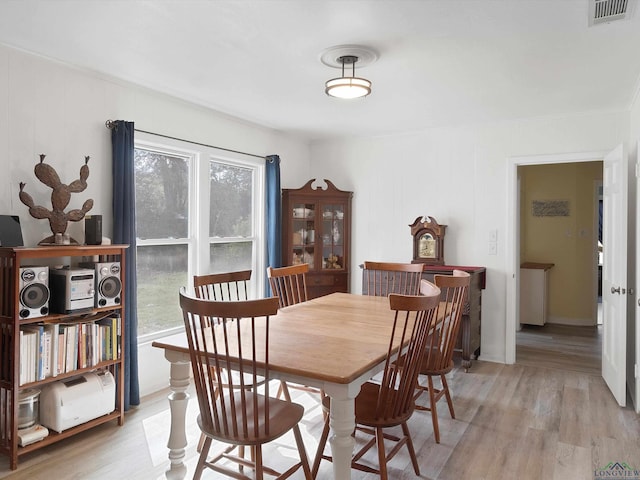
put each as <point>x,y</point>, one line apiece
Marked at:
<point>238,415</point>
<point>389,403</point>
<point>438,357</point>
<point>223,287</point>
<point>289,284</point>
<point>383,278</point>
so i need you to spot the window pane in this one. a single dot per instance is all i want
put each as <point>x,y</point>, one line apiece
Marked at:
<point>162,195</point>
<point>161,271</point>
<point>230,257</point>
<point>230,201</point>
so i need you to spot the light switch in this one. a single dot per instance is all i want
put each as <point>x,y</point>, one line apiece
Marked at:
<point>493,248</point>
<point>493,235</point>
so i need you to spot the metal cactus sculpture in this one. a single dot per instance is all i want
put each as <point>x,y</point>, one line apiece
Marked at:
<point>60,196</point>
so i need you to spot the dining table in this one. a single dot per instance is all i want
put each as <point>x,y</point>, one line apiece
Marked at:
<point>335,342</point>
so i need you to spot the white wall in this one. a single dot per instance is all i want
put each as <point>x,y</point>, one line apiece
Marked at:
<point>47,107</point>
<point>458,175</point>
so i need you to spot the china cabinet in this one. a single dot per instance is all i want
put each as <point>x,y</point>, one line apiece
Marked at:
<point>317,231</point>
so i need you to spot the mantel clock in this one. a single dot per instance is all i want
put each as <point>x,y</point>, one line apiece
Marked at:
<point>428,241</point>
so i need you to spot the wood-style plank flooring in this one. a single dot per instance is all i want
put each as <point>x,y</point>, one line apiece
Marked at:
<point>560,346</point>
<point>536,419</point>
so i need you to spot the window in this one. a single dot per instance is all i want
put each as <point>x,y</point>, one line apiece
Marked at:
<point>197,212</point>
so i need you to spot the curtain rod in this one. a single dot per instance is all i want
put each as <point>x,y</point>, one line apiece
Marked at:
<point>110,124</point>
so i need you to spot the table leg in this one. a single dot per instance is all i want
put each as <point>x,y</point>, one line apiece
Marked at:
<point>178,400</point>
<point>342,420</point>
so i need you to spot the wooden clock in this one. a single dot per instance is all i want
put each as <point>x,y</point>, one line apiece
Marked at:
<point>428,241</point>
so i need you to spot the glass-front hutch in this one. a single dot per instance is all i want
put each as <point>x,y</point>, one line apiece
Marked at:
<point>317,231</point>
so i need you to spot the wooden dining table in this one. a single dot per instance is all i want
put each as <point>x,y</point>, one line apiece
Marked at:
<point>336,342</point>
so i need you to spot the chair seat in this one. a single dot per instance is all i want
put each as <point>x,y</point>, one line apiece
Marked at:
<point>283,416</point>
<point>431,365</point>
<point>366,406</point>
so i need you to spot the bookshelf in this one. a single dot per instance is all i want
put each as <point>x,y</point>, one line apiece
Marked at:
<point>39,347</point>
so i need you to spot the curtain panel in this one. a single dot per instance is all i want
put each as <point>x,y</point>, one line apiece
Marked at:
<point>124,232</point>
<point>273,210</point>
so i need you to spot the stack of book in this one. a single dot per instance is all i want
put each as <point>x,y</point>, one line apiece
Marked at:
<point>50,349</point>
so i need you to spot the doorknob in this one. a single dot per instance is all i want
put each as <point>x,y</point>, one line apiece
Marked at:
<point>615,290</point>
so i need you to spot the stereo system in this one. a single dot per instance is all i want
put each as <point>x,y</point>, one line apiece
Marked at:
<point>66,290</point>
<point>34,292</point>
<point>72,289</point>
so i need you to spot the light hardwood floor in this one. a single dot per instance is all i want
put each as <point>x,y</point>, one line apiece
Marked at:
<point>520,421</point>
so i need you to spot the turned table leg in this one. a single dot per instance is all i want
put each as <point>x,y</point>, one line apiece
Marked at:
<point>178,400</point>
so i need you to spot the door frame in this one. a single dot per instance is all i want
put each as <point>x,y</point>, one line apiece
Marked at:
<point>513,233</point>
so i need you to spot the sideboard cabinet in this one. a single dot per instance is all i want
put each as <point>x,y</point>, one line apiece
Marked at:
<point>28,303</point>
<point>317,231</point>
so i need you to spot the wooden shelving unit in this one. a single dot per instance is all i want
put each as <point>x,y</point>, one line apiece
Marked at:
<point>11,261</point>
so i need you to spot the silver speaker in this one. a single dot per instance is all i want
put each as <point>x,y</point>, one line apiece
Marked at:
<point>34,292</point>
<point>108,284</point>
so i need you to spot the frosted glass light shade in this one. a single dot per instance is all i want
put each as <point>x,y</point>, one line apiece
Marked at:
<point>348,87</point>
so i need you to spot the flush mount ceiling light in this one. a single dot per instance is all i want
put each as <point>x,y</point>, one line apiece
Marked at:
<point>348,87</point>
<point>345,56</point>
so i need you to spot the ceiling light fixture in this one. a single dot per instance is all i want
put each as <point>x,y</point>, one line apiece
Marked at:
<point>348,87</point>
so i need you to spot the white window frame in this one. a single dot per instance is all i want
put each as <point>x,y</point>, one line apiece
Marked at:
<point>198,159</point>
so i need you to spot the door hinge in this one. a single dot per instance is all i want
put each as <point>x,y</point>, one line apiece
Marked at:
<point>635,370</point>
<point>637,168</point>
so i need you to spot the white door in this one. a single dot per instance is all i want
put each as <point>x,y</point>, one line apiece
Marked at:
<point>637,297</point>
<point>614,273</point>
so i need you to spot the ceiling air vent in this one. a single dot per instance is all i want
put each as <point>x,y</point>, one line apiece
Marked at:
<point>605,11</point>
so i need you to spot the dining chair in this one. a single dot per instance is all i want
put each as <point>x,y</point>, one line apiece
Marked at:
<point>389,402</point>
<point>226,286</point>
<point>289,284</point>
<point>438,357</point>
<point>239,415</point>
<point>382,278</point>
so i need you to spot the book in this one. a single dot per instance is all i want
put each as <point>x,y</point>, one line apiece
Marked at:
<point>51,343</point>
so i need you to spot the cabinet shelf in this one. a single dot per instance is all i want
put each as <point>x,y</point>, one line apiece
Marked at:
<point>54,437</point>
<point>16,289</point>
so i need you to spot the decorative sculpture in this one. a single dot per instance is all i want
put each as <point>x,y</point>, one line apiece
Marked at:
<point>60,197</point>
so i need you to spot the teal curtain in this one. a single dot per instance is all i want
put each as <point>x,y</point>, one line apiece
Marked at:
<point>273,207</point>
<point>124,232</point>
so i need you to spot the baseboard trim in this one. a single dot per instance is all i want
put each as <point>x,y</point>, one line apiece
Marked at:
<point>575,322</point>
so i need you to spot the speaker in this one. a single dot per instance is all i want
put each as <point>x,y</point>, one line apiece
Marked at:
<point>93,229</point>
<point>34,292</point>
<point>108,284</point>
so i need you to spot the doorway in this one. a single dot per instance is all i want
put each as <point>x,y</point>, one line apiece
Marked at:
<point>513,234</point>
<point>559,237</point>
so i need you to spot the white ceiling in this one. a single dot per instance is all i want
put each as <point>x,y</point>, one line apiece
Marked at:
<point>441,62</point>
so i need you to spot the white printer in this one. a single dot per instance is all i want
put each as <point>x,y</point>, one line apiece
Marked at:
<point>70,402</point>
